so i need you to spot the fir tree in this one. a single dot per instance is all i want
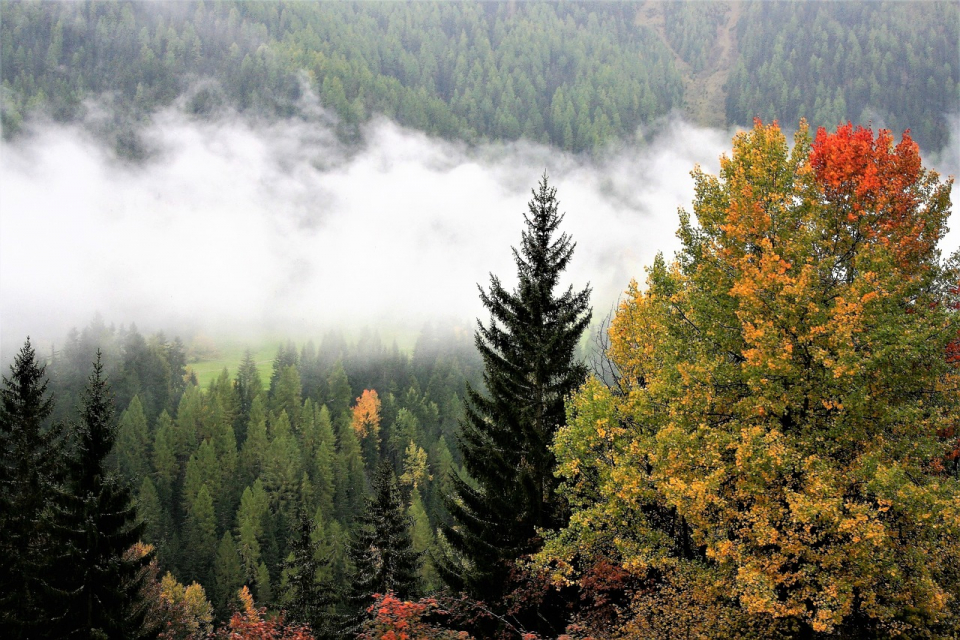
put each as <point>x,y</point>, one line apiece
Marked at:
<point>247,386</point>
<point>200,532</point>
<point>305,599</point>
<point>528,349</point>
<point>29,471</point>
<point>133,439</point>
<point>228,574</point>
<point>382,551</point>
<point>97,523</point>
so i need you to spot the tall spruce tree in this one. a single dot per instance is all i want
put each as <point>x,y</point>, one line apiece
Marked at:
<point>528,349</point>
<point>96,524</point>
<point>30,463</point>
<point>305,599</point>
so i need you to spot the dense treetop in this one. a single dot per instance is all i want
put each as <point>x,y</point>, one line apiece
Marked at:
<point>777,454</point>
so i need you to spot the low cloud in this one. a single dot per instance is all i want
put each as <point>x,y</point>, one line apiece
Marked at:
<point>235,227</point>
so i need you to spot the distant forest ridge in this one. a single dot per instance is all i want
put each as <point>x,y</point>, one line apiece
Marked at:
<point>575,74</point>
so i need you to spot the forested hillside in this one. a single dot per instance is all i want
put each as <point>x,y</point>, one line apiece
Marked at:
<point>763,440</point>
<point>574,75</point>
<point>768,448</point>
<point>222,475</point>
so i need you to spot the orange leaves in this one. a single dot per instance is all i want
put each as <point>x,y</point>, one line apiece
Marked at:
<point>254,624</point>
<point>366,414</point>
<point>246,601</point>
<point>395,619</point>
<point>787,412</point>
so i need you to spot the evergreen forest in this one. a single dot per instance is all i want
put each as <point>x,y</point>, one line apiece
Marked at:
<point>760,440</point>
<point>573,75</point>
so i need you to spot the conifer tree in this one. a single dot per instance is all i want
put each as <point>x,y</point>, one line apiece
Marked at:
<point>351,481</point>
<point>305,599</point>
<point>200,531</point>
<point>133,443</point>
<point>97,523</point>
<point>228,574</point>
<point>28,473</point>
<point>255,445</point>
<point>165,463</point>
<point>382,551</point>
<point>528,349</point>
<point>325,460</point>
<point>150,511</point>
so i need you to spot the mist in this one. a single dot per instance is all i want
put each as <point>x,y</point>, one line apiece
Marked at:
<point>242,228</point>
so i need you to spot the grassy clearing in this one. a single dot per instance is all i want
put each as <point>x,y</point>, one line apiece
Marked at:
<point>210,362</point>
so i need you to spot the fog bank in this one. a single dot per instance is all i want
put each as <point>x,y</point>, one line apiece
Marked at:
<point>238,228</point>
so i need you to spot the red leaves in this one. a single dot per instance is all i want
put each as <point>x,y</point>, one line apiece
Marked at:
<point>253,624</point>
<point>395,619</point>
<point>874,187</point>
<point>606,588</point>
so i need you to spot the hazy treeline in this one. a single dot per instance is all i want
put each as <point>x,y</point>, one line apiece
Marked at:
<point>219,473</point>
<point>574,75</point>
<point>893,63</point>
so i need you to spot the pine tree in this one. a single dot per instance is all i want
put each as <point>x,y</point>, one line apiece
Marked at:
<point>304,598</point>
<point>200,531</point>
<point>382,550</point>
<point>228,574</point>
<point>96,524</point>
<point>133,443</point>
<point>528,349</point>
<point>247,386</point>
<point>29,470</point>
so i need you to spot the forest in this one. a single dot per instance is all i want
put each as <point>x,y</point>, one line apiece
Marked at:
<point>574,75</point>
<point>767,446</point>
<point>761,439</point>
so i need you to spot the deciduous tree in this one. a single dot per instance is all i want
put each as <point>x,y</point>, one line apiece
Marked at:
<point>766,462</point>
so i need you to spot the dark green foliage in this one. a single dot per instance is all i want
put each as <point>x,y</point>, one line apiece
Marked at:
<point>305,599</point>
<point>97,523</point>
<point>573,74</point>
<point>29,473</point>
<point>528,349</point>
<point>382,551</point>
<point>895,64</point>
<point>192,493</point>
<point>228,575</point>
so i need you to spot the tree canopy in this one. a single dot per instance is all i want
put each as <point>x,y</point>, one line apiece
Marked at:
<point>770,457</point>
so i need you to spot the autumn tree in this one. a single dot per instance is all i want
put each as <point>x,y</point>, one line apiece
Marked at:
<point>765,462</point>
<point>253,623</point>
<point>366,424</point>
<point>530,367</point>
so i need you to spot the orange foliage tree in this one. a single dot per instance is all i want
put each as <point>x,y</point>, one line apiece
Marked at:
<point>770,460</point>
<point>393,619</point>
<point>252,623</point>
<point>366,414</point>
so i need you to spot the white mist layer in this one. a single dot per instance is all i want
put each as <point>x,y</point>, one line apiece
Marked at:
<point>235,228</point>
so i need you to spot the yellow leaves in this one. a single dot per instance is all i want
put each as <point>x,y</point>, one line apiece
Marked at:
<point>415,467</point>
<point>246,602</point>
<point>770,403</point>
